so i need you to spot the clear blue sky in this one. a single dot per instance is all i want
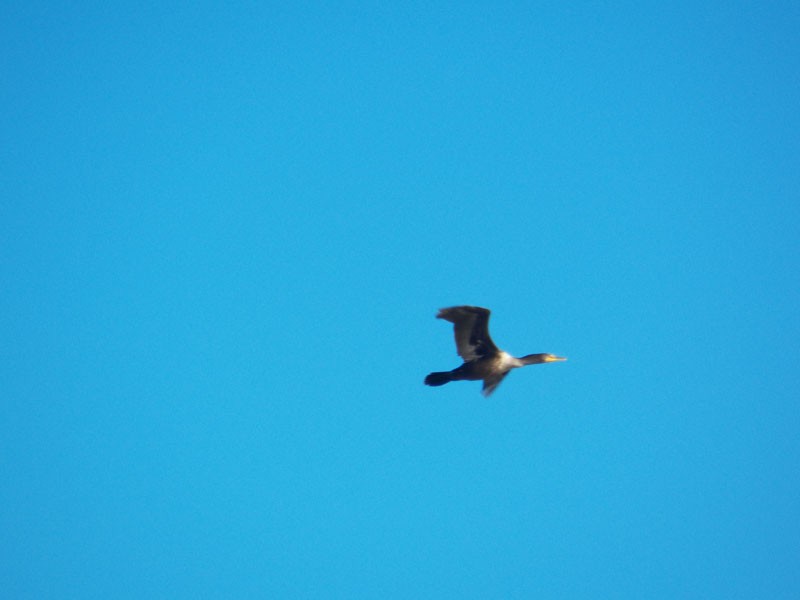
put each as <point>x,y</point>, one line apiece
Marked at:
<point>225,232</point>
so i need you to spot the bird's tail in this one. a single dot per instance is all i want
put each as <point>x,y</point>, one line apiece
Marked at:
<point>439,378</point>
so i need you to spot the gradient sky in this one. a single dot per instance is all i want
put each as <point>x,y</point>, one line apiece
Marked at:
<point>225,231</point>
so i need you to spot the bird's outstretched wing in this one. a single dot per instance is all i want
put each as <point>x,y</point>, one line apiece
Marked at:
<point>490,384</point>
<point>471,330</point>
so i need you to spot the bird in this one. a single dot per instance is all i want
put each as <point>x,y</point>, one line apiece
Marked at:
<point>482,359</point>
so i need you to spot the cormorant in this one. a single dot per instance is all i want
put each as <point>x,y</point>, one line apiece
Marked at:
<point>482,359</point>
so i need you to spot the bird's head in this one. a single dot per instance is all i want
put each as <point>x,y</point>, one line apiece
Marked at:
<point>535,359</point>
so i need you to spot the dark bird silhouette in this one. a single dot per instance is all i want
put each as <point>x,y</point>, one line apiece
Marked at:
<point>482,359</point>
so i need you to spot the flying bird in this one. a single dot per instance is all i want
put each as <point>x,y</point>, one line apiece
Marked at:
<point>482,359</point>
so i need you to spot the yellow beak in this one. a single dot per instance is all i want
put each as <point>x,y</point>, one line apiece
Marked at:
<point>554,358</point>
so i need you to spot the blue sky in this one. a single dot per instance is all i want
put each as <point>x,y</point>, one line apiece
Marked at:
<point>225,233</point>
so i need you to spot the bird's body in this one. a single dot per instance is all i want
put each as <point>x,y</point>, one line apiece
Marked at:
<point>482,359</point>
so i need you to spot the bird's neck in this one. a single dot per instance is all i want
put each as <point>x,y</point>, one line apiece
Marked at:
<point>531,359</point>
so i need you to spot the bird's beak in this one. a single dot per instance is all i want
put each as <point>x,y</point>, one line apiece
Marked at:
<point>553,358</point>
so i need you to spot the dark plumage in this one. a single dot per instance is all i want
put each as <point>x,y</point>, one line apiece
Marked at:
<point>482,359</point>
